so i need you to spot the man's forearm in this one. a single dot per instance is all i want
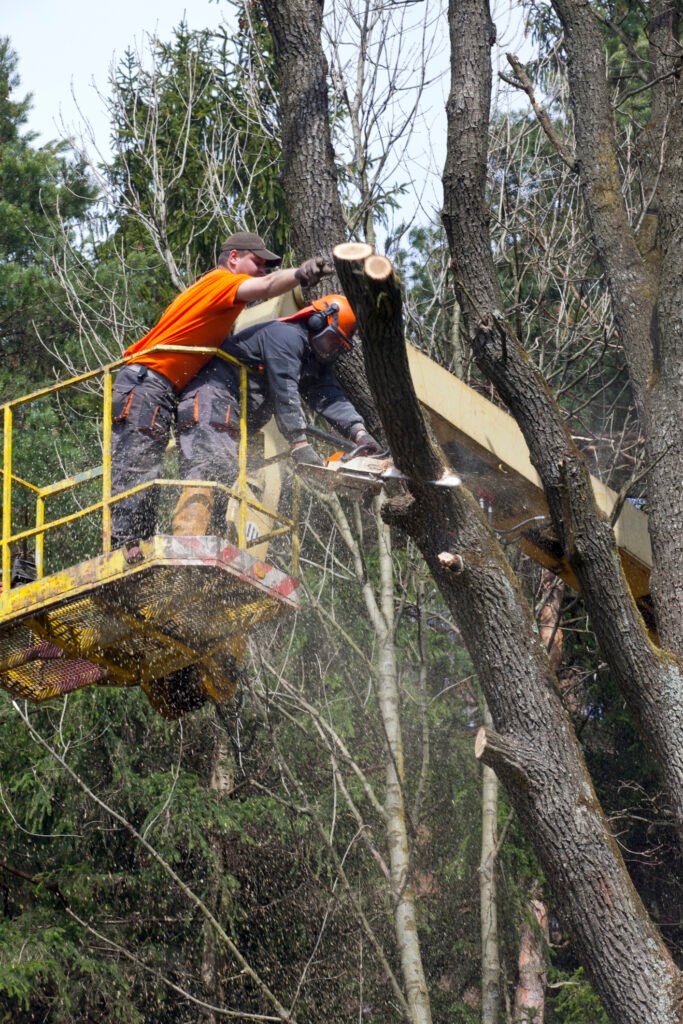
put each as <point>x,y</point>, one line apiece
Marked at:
<point>259,288</point>
<point>281,281</point>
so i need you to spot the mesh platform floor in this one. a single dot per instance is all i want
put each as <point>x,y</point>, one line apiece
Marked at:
<point>190,600</point>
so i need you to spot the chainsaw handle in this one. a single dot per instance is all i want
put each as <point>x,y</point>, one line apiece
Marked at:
<point>334,439</point>
<point>360,449</point>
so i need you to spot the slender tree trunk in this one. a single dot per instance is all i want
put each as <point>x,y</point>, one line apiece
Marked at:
<point>381,615</point>
<point>533,942</point>
<point>221,780</point>
<point>488,895</point>
<point>405,914</point>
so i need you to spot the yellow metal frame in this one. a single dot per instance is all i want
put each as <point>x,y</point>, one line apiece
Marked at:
<point>281,524</point>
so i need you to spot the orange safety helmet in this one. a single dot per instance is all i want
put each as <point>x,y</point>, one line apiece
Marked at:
<point>330,322</point>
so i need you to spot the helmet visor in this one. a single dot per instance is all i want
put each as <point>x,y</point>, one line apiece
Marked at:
<point>327,345</point>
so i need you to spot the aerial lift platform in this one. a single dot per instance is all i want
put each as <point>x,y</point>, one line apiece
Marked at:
<point>175,621</point>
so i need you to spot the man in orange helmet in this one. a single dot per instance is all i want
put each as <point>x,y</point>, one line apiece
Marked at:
<point>293,358</point>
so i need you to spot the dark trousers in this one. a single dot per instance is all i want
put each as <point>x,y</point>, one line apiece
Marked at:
<point>143,411</point>
<point>208,441</point>
<point>208,425</point>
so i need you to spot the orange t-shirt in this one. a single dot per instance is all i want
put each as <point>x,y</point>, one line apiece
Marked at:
<point>202,315</point>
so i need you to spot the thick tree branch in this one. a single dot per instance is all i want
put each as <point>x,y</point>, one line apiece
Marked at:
<point>522,81</point>
<point>374,291</point>
<point>511,759</point>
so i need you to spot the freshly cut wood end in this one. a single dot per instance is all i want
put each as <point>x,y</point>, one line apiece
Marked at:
<point>480,743</point>
<point>379,268</point>
<point>454,563</point>
<point>352,252</point>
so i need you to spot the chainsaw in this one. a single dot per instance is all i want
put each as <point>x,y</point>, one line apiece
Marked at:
<point>350,472</point>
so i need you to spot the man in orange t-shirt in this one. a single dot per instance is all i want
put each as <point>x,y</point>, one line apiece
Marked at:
<point>146,390</point>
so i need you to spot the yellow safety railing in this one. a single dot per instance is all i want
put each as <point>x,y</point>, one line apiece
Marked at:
<point>43,525</point>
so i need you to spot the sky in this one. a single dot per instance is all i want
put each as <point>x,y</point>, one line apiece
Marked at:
<point>66,48</point>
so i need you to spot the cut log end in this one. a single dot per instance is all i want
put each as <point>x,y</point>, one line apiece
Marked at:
<point>378,268</point>
<point>454,563</point>
<point>352,252</point>
<point>480,743</point>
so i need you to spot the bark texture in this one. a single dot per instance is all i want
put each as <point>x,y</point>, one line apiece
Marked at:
<point>533,750</point>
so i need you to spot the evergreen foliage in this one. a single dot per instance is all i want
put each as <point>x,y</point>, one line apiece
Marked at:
<point>194,132</point>
<point>38,186</point>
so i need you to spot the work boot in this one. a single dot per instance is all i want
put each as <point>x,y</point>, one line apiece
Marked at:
<point>192,516</point>
<point>23,570</point>
<point>132,552</point>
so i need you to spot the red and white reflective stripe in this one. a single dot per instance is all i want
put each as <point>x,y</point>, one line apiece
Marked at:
<point>287,587</point>
<point>213,551</point>
<point>252,570</point>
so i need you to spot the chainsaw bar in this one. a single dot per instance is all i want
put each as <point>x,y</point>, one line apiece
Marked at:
<point>362,474</point>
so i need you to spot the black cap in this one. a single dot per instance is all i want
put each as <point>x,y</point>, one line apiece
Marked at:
<point>247,241</point>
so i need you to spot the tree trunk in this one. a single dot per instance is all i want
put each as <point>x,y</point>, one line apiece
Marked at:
<point>394,804</point>
<point>664,406</point>
<point>646,283</point>
<point>221,780</point>
<point>534,751</point>
<point>651,680</point>
<point>488,896</point>
<point>309,169</point>
<point>381,615</point>
<point>647,299</point>
<point>533,942</point>
<point>632,288</point>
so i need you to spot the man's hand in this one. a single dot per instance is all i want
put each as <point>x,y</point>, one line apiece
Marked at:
<point>310,271</point>
<point>362,439</point>
<point>305,455</point>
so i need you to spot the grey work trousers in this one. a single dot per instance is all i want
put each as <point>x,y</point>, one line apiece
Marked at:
<point>208,425</point>
<point>143,411</point>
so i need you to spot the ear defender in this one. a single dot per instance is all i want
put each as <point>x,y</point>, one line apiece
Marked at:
<point>319,320</point>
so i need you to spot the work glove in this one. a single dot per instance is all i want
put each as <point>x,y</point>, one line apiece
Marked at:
<point>306,455</point>
<point>362,439</point>
<point>310,271</point>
